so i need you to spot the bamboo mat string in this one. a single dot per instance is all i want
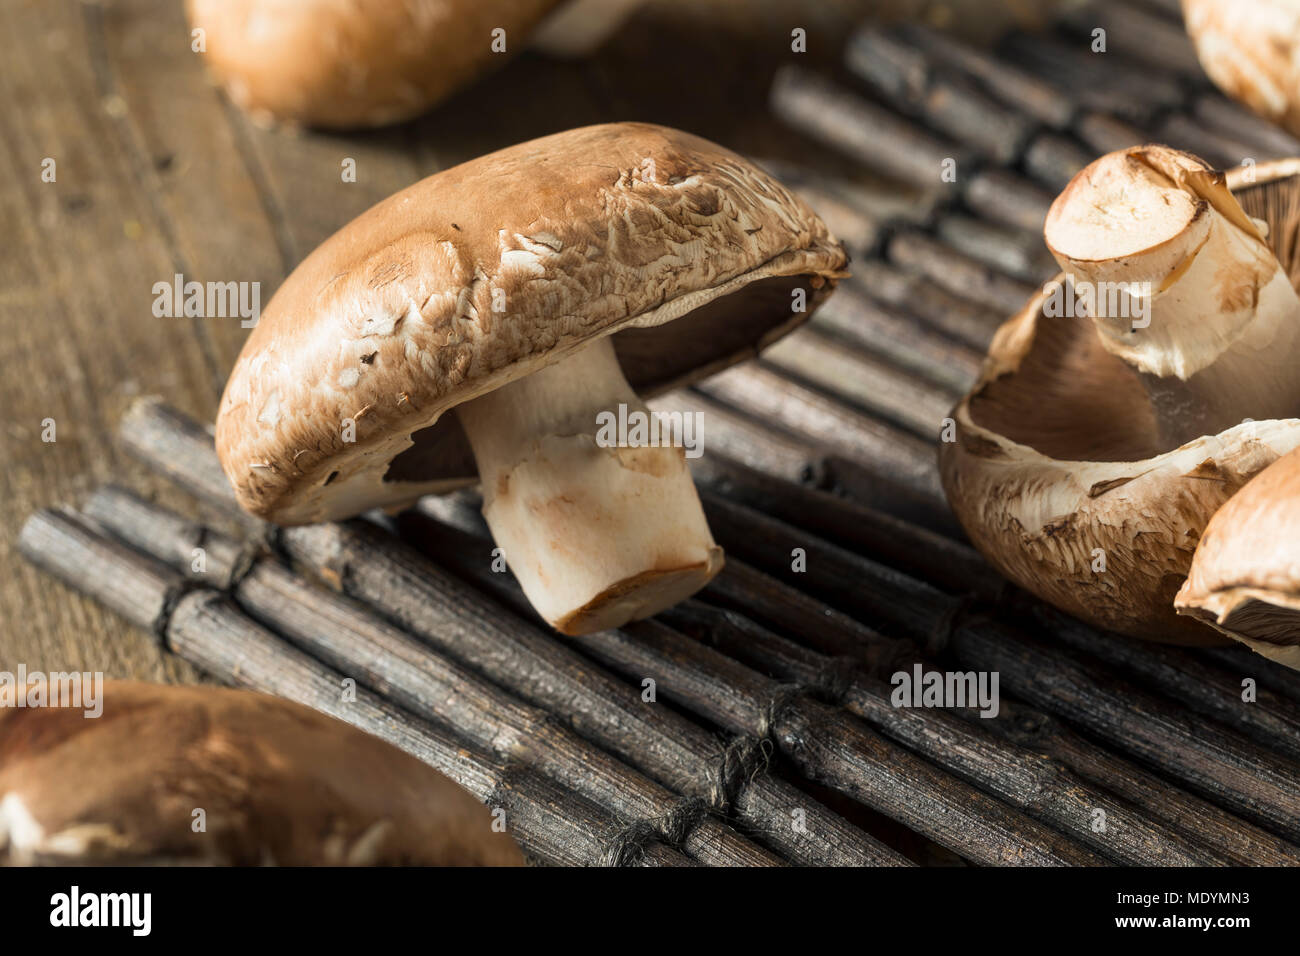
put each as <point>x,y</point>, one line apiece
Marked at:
<point>629,844</point>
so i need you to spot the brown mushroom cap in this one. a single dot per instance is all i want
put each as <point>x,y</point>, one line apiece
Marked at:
<point>1245,578</point>
<point>1058,459</point>
<point>614,230</point>
<point>278,783</point>
<point>352,63</point>
<point>1250,51</point>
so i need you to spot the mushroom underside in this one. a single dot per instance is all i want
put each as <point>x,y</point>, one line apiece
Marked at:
<point>1090,511</point>
<point>1070,399</point>
<point>654,360</point>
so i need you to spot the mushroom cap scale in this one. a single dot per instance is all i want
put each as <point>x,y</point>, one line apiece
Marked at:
<point>354,63</point>
<point>278,783</point>
<point>1245,577</point>
<point>486,272</point>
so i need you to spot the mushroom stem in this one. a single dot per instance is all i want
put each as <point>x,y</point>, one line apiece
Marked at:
<point>598,534</point>
<point>1181,284</point>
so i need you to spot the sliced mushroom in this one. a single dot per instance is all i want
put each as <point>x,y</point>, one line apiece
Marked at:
<point>207,775</point>
<point>1074,470</point>
<point>1245,578</point>
<point>1250,50</point>
<point>531,290</point>
<point>357,63</point>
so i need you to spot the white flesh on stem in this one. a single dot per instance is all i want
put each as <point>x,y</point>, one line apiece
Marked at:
<point>1223,339</point>
<point>597,536</point>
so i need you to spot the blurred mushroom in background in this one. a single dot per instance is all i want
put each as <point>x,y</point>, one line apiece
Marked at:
<point>357,63</point>
<point>199,775</point>
<point>1252,52</point>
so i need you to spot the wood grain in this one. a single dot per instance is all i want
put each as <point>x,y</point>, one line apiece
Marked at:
<point>157,174</point>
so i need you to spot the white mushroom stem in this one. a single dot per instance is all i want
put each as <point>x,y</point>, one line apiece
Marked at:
<point>597,536</point>
<point>1182,286</point>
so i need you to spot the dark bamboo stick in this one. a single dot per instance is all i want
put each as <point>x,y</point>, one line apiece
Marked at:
<point>352,640</point>
<point>1197,818</point>
<point>832,748</point>
<point>731,432</point>
<point>958,273</point>
<point>853,316</point>
<point>917,295</point>
<point>951,565</point>
<point>826,746</point>
<point>1053,160</point>
<point>1244,662</point>
<point>862,129</point>
<point>906,79</point>
<point>761,598</point>
<point>864,192</point>
<point>1006,197</point>
<point>866,484</point>
<point>1105,82</point>
<point>1221,763</point>
<point>1271,720</point>
<point>1012,252</point>
<point>427,602</point>
<point>853,375</point>
<point>897,456</point>
<point>203,627</point>
<point>1146,38</point>
<point>1103,133</point>
<point>1043,788</point>
<point>743,438</point>
<point>1218,149</point>
<point>886,598</point>
<point>1014,86</point>
<point>1258,136</point>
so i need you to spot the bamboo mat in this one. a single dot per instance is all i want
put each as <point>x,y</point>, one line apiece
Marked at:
<point>753,724</point>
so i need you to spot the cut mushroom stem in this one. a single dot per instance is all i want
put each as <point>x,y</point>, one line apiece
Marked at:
<point>1181,284</point>
<point>597,533</point>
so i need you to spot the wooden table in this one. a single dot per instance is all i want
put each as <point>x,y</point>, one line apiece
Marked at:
<point>156,174</point>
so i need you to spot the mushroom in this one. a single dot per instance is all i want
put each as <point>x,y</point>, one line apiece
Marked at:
<point>1250,52</point>
<point>208,775</point>
<point>358,63</point>
<point>1095,448</point>
<point>1245,577</point>
<point>538,291</point>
